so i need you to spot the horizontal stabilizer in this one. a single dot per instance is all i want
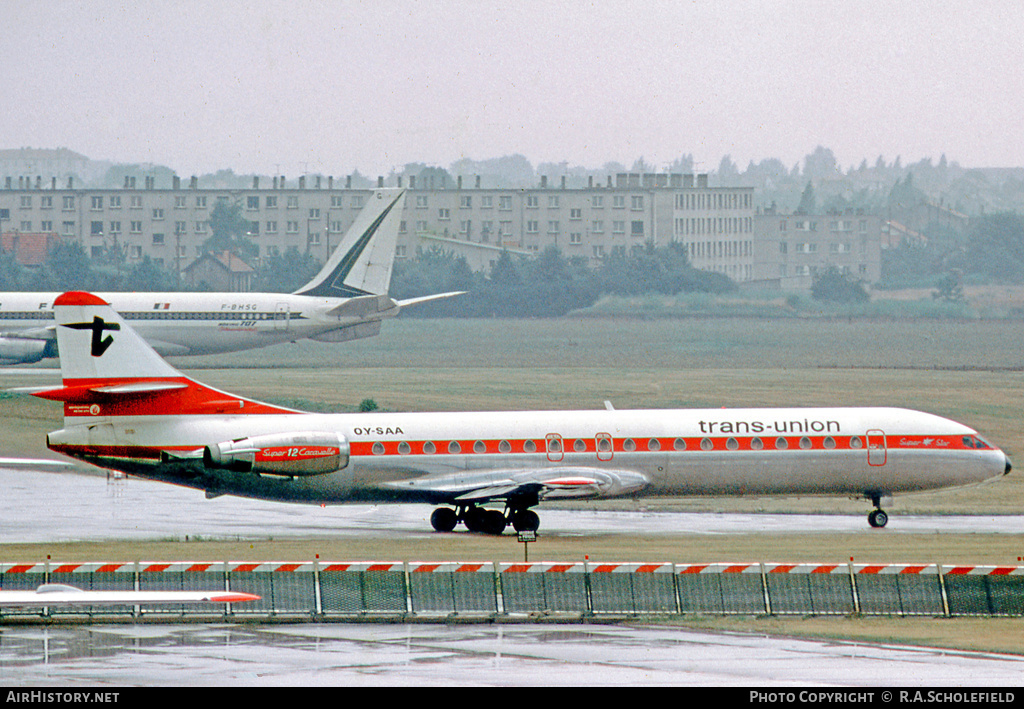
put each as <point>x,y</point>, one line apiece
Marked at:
<point>362,307</point>
<point>427,298</point>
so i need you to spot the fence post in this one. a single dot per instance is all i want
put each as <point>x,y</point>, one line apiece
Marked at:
<point>764,590</point>
<point>853,588</point>
<point>942,591</point>
<point>499,592</point>
<point>318,606</point>
<point>675,589</point>
<point>408,587</point>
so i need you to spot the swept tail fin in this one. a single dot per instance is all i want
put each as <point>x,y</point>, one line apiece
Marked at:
<point>361,264</point>
<point>109,370</point>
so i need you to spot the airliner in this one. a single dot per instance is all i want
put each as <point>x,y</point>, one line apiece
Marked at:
<point>346,300</point>
<point>127,409</point>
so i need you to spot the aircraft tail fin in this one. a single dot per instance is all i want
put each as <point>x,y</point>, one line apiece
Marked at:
<point>362,262</point>
<point>109,370</point>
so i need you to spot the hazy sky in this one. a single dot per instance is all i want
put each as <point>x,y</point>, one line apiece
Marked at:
<point>331,86</point>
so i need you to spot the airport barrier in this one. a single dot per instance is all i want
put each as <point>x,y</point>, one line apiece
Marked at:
<point>407,590</point>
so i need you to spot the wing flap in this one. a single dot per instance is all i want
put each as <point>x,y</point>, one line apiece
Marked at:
<point>563,482</point>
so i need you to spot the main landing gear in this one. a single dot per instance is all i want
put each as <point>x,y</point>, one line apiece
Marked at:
<point>479,519</point>
<point>877,518</point>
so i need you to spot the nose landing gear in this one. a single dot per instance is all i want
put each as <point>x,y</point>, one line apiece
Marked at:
<point>877,518</point>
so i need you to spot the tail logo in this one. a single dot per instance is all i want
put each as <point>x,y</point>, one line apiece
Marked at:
<point>98,325</point>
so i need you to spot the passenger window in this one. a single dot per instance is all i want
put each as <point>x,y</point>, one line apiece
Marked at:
<point>805,443</point>
<point>756,444</point>
<point>781,443</point>
<point>504,447</point>
<point>378,449</point>
<point>707,444</point>
<point>479,447</point>
<point>679,444</point>
<point>732,444</point>
<point>454,447</point>
<point>855,442</point>
<point>830,442</point>
<point>429,448</point>
<point>654,445</point>
<point>530,447</point>
<point>579,445</point>
<point>629,445</point>
<point>404,448</point>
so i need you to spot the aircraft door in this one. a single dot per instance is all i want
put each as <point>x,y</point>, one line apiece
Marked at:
<point>605,448</point>
<point>877,452</point>
<point>281,317</point>
<point>553,443</point>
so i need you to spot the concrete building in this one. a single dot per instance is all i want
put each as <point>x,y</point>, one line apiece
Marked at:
<point>791,249</point>
<point>719,226</point>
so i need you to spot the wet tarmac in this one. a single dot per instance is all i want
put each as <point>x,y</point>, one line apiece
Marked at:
<point>49,506</point>
<point>46,506</point>
<point>470,655</point>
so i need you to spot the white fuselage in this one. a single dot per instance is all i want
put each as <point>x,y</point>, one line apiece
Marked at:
<point>856,451</point>
<point>198,323</point>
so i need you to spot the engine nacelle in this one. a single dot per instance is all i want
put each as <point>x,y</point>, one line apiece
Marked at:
<point>18,350</point>
<point>289,454</point>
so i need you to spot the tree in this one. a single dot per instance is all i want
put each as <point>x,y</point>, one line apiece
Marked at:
<point>229,231</point>
<point>808,202</point>
<point>11,272</point>
<point>835,287</point>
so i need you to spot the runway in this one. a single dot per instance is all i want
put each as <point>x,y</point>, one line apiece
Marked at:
<point>48,506</point>
<point>472,655</point>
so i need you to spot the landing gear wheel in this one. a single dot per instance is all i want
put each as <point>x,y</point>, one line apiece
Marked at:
<point>525,521</point>
<point>878,518</point>
<point>494,522</point>
<point>443,519</point>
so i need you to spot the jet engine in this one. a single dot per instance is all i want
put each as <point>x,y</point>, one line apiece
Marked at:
<point>23,350</point>
<point>289,454</point>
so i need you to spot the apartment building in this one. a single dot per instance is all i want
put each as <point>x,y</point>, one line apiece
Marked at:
<point>791,249</point>
<point>719,227</point>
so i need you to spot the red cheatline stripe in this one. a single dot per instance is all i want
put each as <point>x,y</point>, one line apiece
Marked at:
<point>559,568</point>
<point>156,568</point>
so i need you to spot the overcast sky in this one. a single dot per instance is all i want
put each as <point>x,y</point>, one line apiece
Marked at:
<point>332,86</point>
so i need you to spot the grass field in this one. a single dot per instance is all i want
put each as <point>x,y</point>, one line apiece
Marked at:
<point>971,371</point>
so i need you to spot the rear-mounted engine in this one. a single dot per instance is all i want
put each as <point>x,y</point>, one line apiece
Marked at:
<point>289,454</point>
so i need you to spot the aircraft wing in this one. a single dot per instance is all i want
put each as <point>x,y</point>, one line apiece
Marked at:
<point>36,333</point>
<point>563,482</point>
<point>56,594</point>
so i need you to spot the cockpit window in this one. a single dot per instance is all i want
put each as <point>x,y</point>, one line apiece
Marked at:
<point>976,442</point>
